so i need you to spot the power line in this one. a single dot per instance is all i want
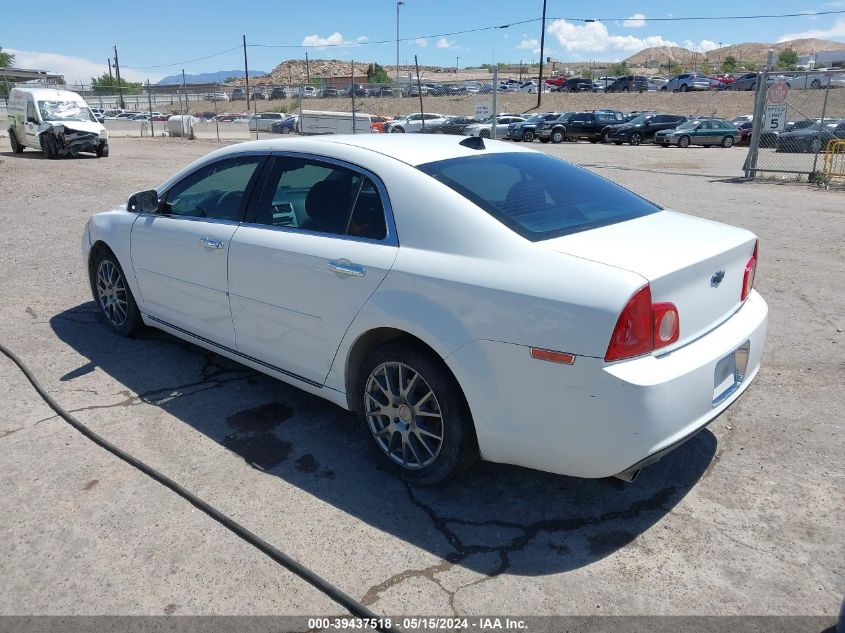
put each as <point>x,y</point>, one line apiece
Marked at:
<point>504,26</point>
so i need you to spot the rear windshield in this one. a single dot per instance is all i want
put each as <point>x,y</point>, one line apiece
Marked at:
<point>537,196</point>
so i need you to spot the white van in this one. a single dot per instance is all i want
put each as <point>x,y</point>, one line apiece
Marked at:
<point>319,122</point>
<point>57,122</point>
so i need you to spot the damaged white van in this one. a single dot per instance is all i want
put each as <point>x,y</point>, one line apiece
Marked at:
<point>57,122</point>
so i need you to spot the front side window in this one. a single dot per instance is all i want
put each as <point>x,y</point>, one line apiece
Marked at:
<point>215,191</point>
<point>321,197</point>
<point>537,196</point>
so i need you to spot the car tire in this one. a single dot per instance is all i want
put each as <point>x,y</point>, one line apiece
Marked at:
<point>413,411</point>
<point>626,89</point>
<point>664,89</point>
<point>102,150</point>
<point>684,88</point>
<point>112,294</point>
<point>557,136</point>
<point>635,139</point>
<point>684,142</point>
<point>604,136</point>
<point>397,129</point>
<point>285,130</point>
<point>528,136</point>
<point>49,147</point>
<point>728,141</point>
<point>815,146</point>
<point>17,148</point>
<point>753,86</point>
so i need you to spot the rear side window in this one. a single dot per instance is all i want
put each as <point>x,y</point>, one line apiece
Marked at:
<point>537,196</point>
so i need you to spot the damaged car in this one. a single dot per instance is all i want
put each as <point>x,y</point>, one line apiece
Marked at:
<point>57,122</point>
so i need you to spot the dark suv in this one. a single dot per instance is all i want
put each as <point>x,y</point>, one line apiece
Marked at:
<point>590,125</point>
<point>578,84</point>
<point>629,83</point>
<point>554,130</point>
<point>527,130</point>
<point>642,128</point>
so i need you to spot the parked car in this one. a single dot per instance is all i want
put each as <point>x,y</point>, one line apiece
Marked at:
<point>484,128</point>
<point>285,126</point>
<point>748,81</point>
<point>629,83</point>
<point>531,87</point>
<point>658,80</point>
<point>553,130</point>
<point>808,81</point>
<point>700,131</point>
<point>385,91</point>
<point>59,123</point>
<point>745,131</point>
<point>218,96</point>
<point>577,84</point>
<point>450,125</point>
<point>686,82</point>
<point>526,130</point>
<point>725,79</point>
<point>263,121</point>
<point>591,125</point>
<point>813,138</point>
<point>377,123</point>
<point>414,122</point>
<point>278,92</point>
<point>641,129</point>
<point>228,117</point>
<point>533,313</point>
<point>127,115</point>
<point>238,94</point>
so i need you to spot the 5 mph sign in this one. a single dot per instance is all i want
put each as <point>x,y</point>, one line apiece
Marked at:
<point>775,119</point>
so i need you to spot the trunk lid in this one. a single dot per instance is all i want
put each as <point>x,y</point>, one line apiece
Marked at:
<point>681,256</point>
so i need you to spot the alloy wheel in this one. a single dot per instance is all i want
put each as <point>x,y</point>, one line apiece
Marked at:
<point>403,414</point>
<point>111,293</point>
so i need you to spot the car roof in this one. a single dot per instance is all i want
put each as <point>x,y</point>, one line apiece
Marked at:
<point>51,93</point>
<point>412,149</point>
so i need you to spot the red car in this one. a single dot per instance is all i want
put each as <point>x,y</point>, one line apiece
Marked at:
<point>377,123</point>
<point>744,133</point>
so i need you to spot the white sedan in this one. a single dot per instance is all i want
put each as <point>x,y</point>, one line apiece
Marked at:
<point>465,297</point>
<point>484,128</point>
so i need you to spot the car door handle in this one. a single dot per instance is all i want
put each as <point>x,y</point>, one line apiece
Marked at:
<point>345,267</point>
<point>210,243</point>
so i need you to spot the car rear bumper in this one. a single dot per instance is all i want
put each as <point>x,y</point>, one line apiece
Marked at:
<point>597,419</point>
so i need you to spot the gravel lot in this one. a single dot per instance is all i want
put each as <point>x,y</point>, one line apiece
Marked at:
<point>741,520</point>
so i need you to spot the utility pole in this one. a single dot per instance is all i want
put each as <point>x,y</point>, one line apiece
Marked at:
<point>399,3</point>
<point>121,104</point>
<point>246,76</point>
<point>307,69</point>
<point>111,79</point>
<point>542,52</point>
<point>457,64</point>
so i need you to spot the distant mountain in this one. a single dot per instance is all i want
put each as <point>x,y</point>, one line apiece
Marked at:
<point>744,52</point>
<point>208,78</point>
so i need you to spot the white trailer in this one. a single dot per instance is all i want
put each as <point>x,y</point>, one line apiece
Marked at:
<point>319,122</point>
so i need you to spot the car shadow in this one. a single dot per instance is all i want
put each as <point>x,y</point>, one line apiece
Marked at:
<point>34,153</point>
<point>493,519</point>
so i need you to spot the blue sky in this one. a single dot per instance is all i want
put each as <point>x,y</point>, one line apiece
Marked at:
<point>164,34</point>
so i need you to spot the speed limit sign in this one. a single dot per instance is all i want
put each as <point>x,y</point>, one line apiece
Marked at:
<point>775,120</point>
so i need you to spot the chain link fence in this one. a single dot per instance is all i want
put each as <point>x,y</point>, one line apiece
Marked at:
<point>798,116</point>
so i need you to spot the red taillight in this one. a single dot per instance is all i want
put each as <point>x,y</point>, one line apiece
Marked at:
<point>632,335</point>
<point>666,324</point>
<point>643,327</point>
<point>748,277</point>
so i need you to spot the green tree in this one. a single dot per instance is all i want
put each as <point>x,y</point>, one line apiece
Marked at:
<point>229,80</point>
<point>6,59</point>
<point>105,85</point>
<point>707,67</point>
<point>587,74</point>
<point>376,74</point>
<point>729,65</point>
<point>617,70</point>
<point>787,59</point>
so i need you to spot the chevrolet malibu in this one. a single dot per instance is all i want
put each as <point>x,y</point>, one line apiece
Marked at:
<point>465,298</point>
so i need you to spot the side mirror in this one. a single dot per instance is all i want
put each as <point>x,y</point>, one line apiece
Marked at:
<point>143,202</point>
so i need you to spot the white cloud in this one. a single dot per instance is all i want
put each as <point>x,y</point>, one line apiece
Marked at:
<point>636,21</point>
<point>700,47</point>
<point>421,42</point>
<point>76,69</point>
<point>445,43</point>
<point>837,30</point>
<point>530,43</point>
<point>593,37</point>
<point>335,39</point>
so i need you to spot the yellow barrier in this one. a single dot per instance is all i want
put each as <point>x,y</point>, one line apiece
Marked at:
<point>834,160</point>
